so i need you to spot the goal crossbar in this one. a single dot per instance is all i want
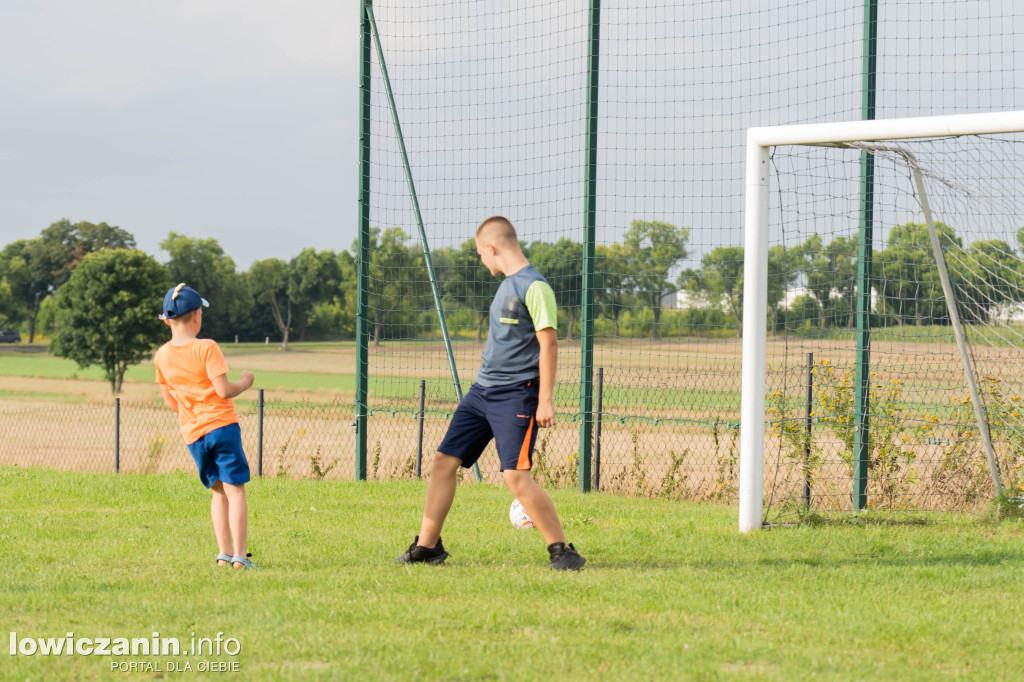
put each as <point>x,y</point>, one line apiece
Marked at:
<point>755,296</point>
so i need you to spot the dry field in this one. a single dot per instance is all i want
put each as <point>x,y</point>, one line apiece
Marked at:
<point>669,426</point>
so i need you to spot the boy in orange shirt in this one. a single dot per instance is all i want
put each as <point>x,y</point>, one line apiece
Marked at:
<point>192,374</point>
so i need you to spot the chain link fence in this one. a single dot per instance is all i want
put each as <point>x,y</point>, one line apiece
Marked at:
<point>315,440</point>
<point>627,192</point>
<point>311,440</point>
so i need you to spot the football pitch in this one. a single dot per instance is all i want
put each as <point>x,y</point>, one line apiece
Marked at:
<point>670,591</point>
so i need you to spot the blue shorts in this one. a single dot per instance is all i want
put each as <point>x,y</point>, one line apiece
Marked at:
<point>219,456</point>
<point>504,413</point>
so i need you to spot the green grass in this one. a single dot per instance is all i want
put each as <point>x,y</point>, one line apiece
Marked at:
<point>995,334</point>
<point>616,398</point>
<point>670,591</point>
<point>46,366</point>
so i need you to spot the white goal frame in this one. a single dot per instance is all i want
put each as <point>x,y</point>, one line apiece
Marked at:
<point>755,266</point>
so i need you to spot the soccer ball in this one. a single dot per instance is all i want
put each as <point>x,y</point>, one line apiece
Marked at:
<point>518,516</point>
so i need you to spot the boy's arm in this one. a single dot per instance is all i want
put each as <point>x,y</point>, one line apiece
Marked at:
<point>548,339</point>
<point>168,398</point>
<point>229,389</point>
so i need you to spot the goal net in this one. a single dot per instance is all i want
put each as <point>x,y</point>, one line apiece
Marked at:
<point>883,317</point>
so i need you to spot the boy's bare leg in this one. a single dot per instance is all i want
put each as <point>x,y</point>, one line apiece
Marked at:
<point>238,517</point>
<point>219,514</point>
<point>537,504</point>
<point>444,476</point>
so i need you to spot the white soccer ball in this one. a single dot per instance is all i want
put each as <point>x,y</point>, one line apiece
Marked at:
<point>518,516</point>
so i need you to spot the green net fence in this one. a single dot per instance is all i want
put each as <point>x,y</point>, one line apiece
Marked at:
<point>492,101</point>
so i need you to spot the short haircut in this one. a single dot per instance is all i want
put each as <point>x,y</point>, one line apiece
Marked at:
<point>498,229</point>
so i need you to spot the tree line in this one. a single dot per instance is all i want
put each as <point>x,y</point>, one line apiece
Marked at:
<point>313,295</point>
<point>636,278</point>
<point>273,298</point>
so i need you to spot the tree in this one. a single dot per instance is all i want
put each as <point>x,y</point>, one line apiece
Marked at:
<point>654,248</point>
<point>108,312</point>
<point>831,269</point>
<point>348,290</point>
<point>27,284</point>
<point>15,283</point>
<point>560,264</point>
<point>269,282</point>
<point>784,268</point>
<point>612,272</point>
<point>314,277</point>
<point>10,311</point>
<point>720,278</point>
<point>292,290</point>
<point>843,255</point>
<point>400,293</point>
<point>465,281</point>
<point>62,246</point>
<point>984,277</point>
<point>203,265</point>
<point>34,268</point>
<point>908,280</point>
<point>819,275</point>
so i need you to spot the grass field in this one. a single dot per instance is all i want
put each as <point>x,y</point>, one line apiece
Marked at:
<point>319,371</point>
<point>669,417</point>
<point>670,590</point>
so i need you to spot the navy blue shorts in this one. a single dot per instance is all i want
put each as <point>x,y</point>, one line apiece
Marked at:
<point>504,413</point>
<point>219,456</point>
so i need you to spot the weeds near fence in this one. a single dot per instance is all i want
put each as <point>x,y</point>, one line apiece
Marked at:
<point>896,436</point>
<point>555,474</point>
<point>892,432</point>
<point>637,472</point>
<point>318,469</point>
<point>1006,424</point>
<point>1010,504</point>
<point>674,476</point>
<point>571,471</point>
<point>725,463</point>
<point>375,462</point>
<point>540,464</point>
<point>962,473</point>
<point>155,447</point>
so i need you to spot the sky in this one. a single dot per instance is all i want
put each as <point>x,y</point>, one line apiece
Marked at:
<point>238,119</point>
<point>234,119</point>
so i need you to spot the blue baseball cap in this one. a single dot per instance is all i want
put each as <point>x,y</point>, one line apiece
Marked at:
<point>180,300</point>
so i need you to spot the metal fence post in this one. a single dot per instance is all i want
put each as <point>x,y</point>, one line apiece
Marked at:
<point>363,257</point>
<point>599,391</point>
<point>117,435</point>
<point>419,428</point>
<point>259,434</point>
<point>865,256</point>
<point>808,409</point>
<point>589,251</point>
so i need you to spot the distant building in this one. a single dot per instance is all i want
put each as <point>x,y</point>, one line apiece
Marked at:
<point>683,300</point>
<point>1013,312</point>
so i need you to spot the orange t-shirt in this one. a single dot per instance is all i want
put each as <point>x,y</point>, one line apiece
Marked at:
<point>188,372</point>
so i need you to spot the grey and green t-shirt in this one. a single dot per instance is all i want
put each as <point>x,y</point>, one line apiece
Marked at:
<point>523,305</point>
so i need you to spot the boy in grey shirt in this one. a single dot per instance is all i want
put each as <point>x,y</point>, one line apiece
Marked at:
<point>512,395</point>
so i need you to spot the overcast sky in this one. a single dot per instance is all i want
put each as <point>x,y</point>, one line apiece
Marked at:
<point>234,119</point>
<point>238,119</point>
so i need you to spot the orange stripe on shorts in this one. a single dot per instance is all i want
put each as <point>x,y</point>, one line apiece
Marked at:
<point>524,452</point>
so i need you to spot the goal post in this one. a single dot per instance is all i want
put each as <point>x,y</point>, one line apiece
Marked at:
<point>760,142</point>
